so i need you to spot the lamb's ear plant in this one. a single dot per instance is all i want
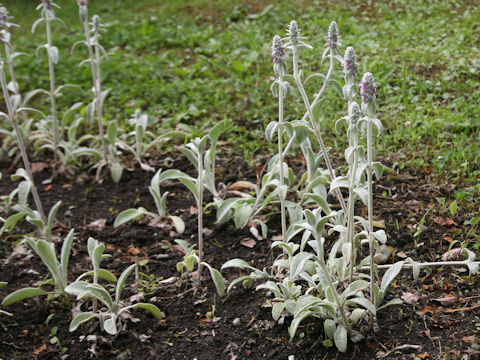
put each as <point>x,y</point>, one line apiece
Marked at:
<point>58,268</point>
<point>13,110</point>
<point>48,15</point>
<point>187,265</point>
<point>95,54</point>
<point>110,315</point>
<point>141,140</point>
<point>160,202</point>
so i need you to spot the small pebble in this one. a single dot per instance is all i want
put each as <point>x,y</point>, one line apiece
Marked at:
<point>236,321</point>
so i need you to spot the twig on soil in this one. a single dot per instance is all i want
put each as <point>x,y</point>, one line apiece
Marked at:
<point>401,347</point>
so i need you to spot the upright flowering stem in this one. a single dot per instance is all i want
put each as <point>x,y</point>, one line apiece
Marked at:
<point>21,145</point>
<point>94,68</point>
<point>279,69</point>
<point>294,33</point>
<point>353,117</point>
<point>200,216</point>
<point>5,38</point>
<point>51,70</point>
<point>96,76</point>
<point>368,90</point>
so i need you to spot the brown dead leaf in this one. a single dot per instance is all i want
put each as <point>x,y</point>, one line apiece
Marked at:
<point>445,221</point>
<point>40,349</point>
<point>38,167</point>
<point>48,187</point>
<point>134,250</point>
<point>423,356</point>
<point>452,254</point>
<point>277,238</point>
<point>410,298</point>
<point>110,246</point>
<point>447,300</point>
<point>448,239</point>
<point>249,243</point>
<point>242,185</point>
<point>98,225</point>
<point>428,309</point>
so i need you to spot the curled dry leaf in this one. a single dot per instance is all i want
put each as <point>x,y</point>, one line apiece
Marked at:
<point>249,243</point>
<point>98,225</point>
<point>447,300</point>
<point>453,254</point>
<point>38,167</point>
<point>410,298</point>
<point>242,185</point>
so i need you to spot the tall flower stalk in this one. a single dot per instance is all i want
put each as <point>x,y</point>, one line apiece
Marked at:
<point>94,57</point>
<point>48,15</point>
<point>294,44</point>
<point>5,24</point>
<point>279,68</point>
<point>368,90</point>
<point>354,114</point>
<point>12,116</point>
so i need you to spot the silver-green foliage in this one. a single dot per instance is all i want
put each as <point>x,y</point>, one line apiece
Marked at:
<point>58,268</point>
<point>110,315</point>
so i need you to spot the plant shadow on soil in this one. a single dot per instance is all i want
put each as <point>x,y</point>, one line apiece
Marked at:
<point>239,326</point>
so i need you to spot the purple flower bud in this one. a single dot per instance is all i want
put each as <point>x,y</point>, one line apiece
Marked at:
<point>293,32</point>
<point>96,23</point>
<point>354,113</point>
<point>82,2</point>
<point>350,66</point>
<point>47,4</point>
<point>332,38</point>
<point>4,24</point>
<point>278,53</point>
<point>368,90</point>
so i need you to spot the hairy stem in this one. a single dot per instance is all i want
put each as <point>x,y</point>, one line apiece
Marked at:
<point>51,71</point>
<point>370,207</point>
<point>351,206</point>
<point>21,145</point>
<point>314,124</point>
<point>290,143</point>
<point>200,217</point>
<point>280,157</point>
<point>96,78</point>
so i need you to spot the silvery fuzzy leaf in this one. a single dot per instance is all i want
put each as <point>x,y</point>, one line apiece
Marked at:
<point>390,275</point>
<point>298,263</point>
<point>330,326</point>
<point>277,310</point>
<point>340,338</point>
<point>271,130</point>
<point>52,53</point>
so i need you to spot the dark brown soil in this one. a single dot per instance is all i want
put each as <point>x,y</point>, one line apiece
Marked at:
<point>202,326</point>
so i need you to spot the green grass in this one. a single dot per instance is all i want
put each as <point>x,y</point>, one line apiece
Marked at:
<point>197,62</point>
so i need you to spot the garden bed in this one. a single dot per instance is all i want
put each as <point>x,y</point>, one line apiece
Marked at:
<point>437,320</point>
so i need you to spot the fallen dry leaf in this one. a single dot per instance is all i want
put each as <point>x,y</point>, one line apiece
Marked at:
<point>242,185</point>
<point>38,167</point>
<point>40,349</point>
<point>453,254</point>
<point>447,300</point>
<point>423,356</point>
<point>134,250</point>
<point>98,225</point>
<point>249,243</point>
<point>445,221</point>
<point>410,298</point>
